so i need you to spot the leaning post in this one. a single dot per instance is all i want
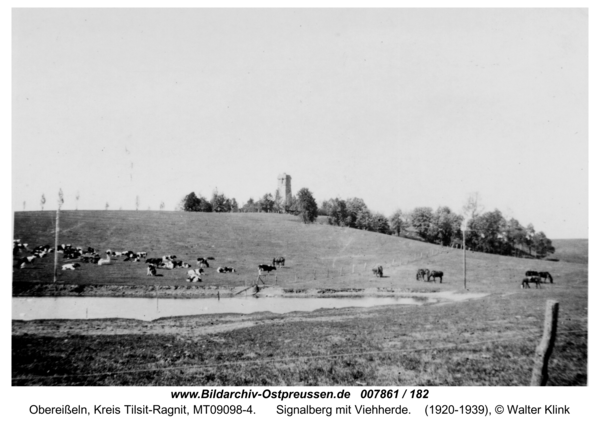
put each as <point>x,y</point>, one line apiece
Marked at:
<point>539,376</point>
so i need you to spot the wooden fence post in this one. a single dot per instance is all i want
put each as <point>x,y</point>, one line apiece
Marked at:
<point>539,376</point>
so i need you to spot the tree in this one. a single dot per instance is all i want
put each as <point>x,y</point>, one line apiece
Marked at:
<point>306,205</point>
<point>194,204</point>
<point>473,206</point>
<point>421,219</point>
<point>43,201</point>
<point>106,206</point>
<point>357,212</point>
<point>250,206</point>
<point>24,203</point>
<point>267,203</point>
<point>380,224</point>
<point>190,202</point>
<point>445,226</point>
<point>234,205</point>
<point>485,232</point>
<point>397,222</point>
<point>337,211</point>
<point>219,202</point>
<point>542,245</point>
<point>162,205</point>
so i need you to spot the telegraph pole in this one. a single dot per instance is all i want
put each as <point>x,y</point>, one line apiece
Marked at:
<point>464,232</point>
<point>60,202</point>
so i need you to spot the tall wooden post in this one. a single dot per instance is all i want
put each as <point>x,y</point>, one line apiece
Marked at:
<point>56,244</point>
<point>465,257</point>
<point>539,376</point>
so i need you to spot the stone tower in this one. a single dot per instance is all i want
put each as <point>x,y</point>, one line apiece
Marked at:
<point>284,187</point>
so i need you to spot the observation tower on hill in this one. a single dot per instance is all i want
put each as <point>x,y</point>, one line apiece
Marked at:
<point>284,188</point>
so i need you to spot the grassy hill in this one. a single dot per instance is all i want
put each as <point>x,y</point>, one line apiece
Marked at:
<point>571,250</point>
<point>316,255</point>
<point>486,341</point>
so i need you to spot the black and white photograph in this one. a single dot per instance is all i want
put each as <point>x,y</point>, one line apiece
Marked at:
<point>299,197</point>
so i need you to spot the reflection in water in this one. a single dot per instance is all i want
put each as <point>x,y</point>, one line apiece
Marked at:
<point>34,308</point>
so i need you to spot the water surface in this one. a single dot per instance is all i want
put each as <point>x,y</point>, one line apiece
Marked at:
<point>35,308</point>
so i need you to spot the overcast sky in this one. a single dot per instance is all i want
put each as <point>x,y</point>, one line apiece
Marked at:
<point>400,107</point>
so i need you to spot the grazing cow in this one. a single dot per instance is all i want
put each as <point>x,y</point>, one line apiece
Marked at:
<point>546,275</point>
<point>21,262</point>
<point>166,265</point>
<point>533,279</point>
<point>225,270</point>
<point>530,273</point>
<point>104,261</point>
<point>155,261</point>
<point>378,271</point>
<point>195,275</point>
<point>279,261</point>
<point>265,268</point>
<point>194,279</point>
<point>202,262</point>
<point>151,271</point>
<point>422,273</point>
<point>73,266</point>
<point>433,274</point>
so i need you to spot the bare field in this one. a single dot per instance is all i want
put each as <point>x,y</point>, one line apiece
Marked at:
<point>484,341</point>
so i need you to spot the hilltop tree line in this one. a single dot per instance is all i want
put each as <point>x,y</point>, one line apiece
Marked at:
<point>487,232</point>
<point>303,204</point>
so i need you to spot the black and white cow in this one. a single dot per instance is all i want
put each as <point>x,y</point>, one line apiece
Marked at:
<point>202,262</point>
<point>195,275</point>
<point>279,261</point>
<point>73,266</point>
<point>225,270</point>
<point>265,268</point>
<point>151,271</point>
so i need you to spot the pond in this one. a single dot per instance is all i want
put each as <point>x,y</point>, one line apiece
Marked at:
<point>36,308</point>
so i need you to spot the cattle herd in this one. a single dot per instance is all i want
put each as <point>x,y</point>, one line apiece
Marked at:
<point>90,255</point>
<point>170,262</point>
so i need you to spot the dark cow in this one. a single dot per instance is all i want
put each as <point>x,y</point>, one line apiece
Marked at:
<point>530,273</point>
<point>279,261</point>
<point>225,270</point>
<point>378,271</point>
<point>533,279</point>
<point>202,262</point>
<point>546,275</point>
<point>154,261</point>
<point>265,268</point>
<point>422,274</point>
<point>433,274</point>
